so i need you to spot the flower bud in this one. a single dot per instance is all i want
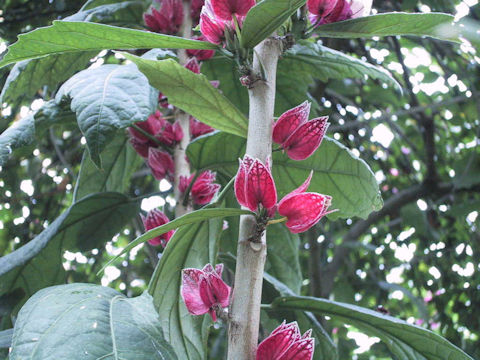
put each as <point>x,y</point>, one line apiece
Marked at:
<point>287,343</point>
<point>299,136</point>
<point>204,290</point>
<point>303,209</point>
<point>156,218</point>
<point>254,185</point>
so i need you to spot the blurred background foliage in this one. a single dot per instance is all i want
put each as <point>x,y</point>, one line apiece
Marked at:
<point>417,259</point>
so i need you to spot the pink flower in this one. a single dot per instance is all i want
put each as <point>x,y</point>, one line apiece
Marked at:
<point>329,11</point>
<point>151,126</point>
<point>204,290</point>
<point>203,190</point>
<point>193,66</point>
<point>303,209</point>
<point>287,343</point>
<point>156,218</point>
<point>211,27</point>
<point>198,128</point>
<point>195,9</point>
<point>157,126</point>
<point>161,163</point>
<point>140,147</point>
<point>168,19</point>
<point>201,55</point>
<point>299,136</point>
<point>226,9</point>
<point>254,185</point>
<point>319,9</point>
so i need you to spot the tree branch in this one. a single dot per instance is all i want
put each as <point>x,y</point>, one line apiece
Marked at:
<point>182,168</point>
<point>247,293</point>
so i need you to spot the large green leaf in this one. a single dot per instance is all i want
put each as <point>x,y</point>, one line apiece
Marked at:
<point>88,322</point>
<point>282,260</point>
<point>6,338</point>
<point>19,134</point>
<point>106,99</point>
<point>187,219</point>
<point>193,93</point>
<point>390,24</point>
<point>119,162</point>
<point>66,36</point>
<point>337,172</point>
<point>266,17</point>
<point>84,225</point>
<point>404,340</point>
<point>28,76</point>
<point>25,131</point>
<point>194,246</point>
<point>115,13</point>
<point>324,63</point>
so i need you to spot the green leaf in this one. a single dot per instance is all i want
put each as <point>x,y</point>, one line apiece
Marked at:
<point>324,63</point>
<point>392,24</point>
<point>28,76</point>
<point>106,99</point>
<point>125,12</point>
<point>191,246</point>
<point>20,134</point>
<point>84,225</point>
<point>88,322</point>
<point>6,338</point>
<point>193,93</point>
<point>119,162</point>
<point>225,71</point>
<point>405,337</point>
<point>190,218</point>
<point>337,172</point>
<point>266,17</point>
<point>69,37</point>
<point>282,260</point>
<point>25,131</point>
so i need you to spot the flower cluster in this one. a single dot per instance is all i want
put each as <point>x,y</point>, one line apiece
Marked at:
<point>254,185</point>
<point>167,19</point>
<point>221,19</point>
<point>203,291</point>
<point>329,11</point>
<point>154,219</point>
<point>152,139</point>
<point>203,189</point>
<point>287,343</point>
<point>297,135</point>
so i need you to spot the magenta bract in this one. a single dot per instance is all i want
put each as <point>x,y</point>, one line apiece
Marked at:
<point>201,55</point>
<point>299,136</point>
<point>204,188</point>
<point>225,9</point>
<point>156,218</point>
<point>168,19</point>
<point>161,163</point>
<point>254,185</point>
<point>329,11</point>
<point>198,128</point>
<point>211,27</point>
<point>204,290</point>
<point>287,343</point>
<point>303,209</point>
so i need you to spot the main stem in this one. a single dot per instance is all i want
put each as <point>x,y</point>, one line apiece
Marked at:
<point>247,292</point>
<point>182,168</point>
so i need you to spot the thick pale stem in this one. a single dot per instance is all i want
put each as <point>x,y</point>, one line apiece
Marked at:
<point>247,292</point>
<point>182,168</point>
